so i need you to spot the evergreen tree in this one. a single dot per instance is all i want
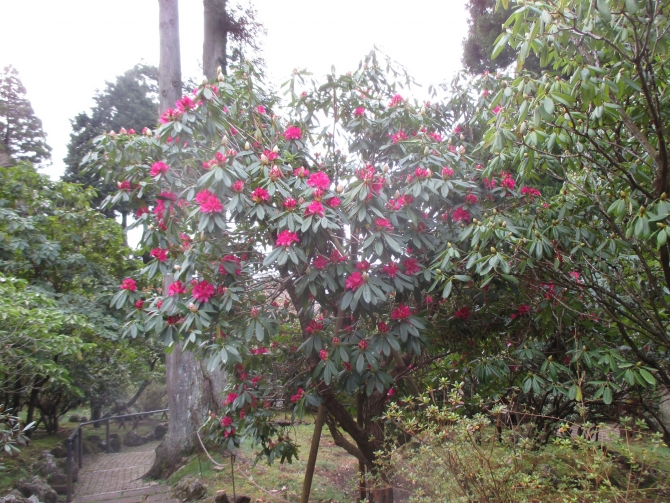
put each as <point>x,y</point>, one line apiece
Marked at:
<point>485,24</point>
<point>130,103</point>
<point>21,134</point>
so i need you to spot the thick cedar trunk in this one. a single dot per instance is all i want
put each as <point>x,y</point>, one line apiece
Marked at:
<point>216,37</point>
<point>191,394</point>
<point>169,69</point>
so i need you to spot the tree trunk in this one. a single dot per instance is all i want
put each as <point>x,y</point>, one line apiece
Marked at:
<point>96,412</point>
<point>169,69</point>
<point>216,37</point>
<point>191,394</point>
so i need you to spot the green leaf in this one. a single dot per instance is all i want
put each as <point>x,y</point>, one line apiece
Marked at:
<point>607,395</point>
<point>500,45</point>
<point>631,6</point>
<point>548,105</point>
<point>604,9</point>
<point>648,377</point>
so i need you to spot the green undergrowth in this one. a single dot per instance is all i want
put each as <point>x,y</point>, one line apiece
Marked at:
<point>334,479</point>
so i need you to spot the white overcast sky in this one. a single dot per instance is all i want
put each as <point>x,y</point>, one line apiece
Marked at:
<point>65,50</point>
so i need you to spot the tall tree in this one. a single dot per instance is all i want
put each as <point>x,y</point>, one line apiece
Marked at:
<point>216,37</point>
<point>192,392</point>
<point>21,134</point>
<point>131,103</point>
<point>169,70</point>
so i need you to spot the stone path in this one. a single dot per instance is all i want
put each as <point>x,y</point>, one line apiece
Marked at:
<point>117,478</point>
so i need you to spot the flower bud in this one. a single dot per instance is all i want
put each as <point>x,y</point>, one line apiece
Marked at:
<point>275,149</point>
<point>247,146</point>
<point>264,159</point>
<point>192,307</point>
<point>340,189</point>
<point>220,77</point>
<point>177,267</point>
<point>204,80</point>
<point>224,140</point>
<point>365,276</point>
<point>462,137</point>
<point>385,168</point>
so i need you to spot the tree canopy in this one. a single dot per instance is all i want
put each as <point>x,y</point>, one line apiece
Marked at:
<point>21,134</point>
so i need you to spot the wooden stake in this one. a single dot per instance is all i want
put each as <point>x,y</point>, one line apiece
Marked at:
<point>313,451</point>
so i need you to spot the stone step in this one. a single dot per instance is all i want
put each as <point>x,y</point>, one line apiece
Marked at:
<point>151,494</point>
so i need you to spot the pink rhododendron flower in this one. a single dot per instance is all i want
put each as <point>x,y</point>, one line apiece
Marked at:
<point>141,211</point>
<point>230,398</point>
<point>286,238</point>
<point>490,184</point>
<point>354,281</point>
<point>447,172</point>
<point>260,195</point>
<point>391,269</point>
<point>290,203</point>
<point>400,313</point>
<point>233,131</point>
<point>421,173</point>
<point>508,182</point>
<point>315,208</point>
<point>261,109</point>
<point>382,327</point>
<point>170,115</point>
<point>530,192</point>
<point>293,133</point>
<point>363,265</point>
<point>463,313</point>
<point>362,344</point>
<point>301,172</point>
<point>295,398</point>
<point>128,284</point>
<point>383,224</point>
<point>319,180</point>
<point>323,354</point>
<point>170,196</point>
<point>139,304</point>
<point>203,196</point>
<point>460,214</point>
<point>333,202</point>
<point>270,155</point>
<point>411,266</point>
<point>185,104</point>
<point>226,421</point>
<point>160,254</point>
<point>336,257</point>
<point>203,291</point>
<point>396,100</point>
<point>232,259</point>
<point>320,262</point>
<point>176,288</point>
<point>399,136</point>
<point>437,137</point>
<point>359,112</point>
<point>471,199</point>
<point>314,326</point>
<point>124,185</point>
<point>220,158</point>
<point>237,186</point>
<point>275,173</point>
<point>497,110</point>
<point>209,203</point>
<point>429,299</point>
<point>158,168</point>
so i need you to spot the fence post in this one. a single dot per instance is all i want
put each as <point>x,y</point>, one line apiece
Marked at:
<point>81,446</point>
<point>107,436</point>
<point>68,470</point>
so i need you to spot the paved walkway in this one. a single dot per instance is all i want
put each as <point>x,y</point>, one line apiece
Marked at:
<point>118,478</point>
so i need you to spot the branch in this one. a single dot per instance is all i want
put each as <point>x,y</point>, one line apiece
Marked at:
<point>342,442</point>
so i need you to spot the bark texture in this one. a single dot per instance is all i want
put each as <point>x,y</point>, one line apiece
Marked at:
<point>192,393</point>
<point>216,37</point>
<point>169,69</point>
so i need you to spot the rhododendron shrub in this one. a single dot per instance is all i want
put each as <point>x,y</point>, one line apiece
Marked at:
<point>312,223</point>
